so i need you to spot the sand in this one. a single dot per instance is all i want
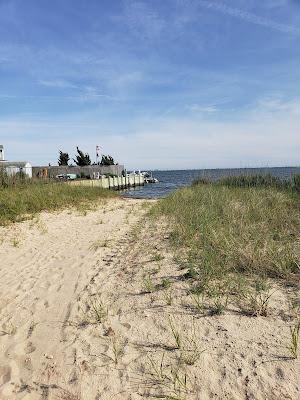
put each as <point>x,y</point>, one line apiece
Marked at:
<point>88,302</point>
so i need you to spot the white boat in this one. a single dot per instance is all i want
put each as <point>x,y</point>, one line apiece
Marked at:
<point>149,178</point>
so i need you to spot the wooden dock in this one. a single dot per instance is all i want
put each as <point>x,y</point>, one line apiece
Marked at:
<point>114,183</point>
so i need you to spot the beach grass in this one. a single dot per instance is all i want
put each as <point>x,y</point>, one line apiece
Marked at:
<point>222,229</point>
<point>21,199</point>
<point>256,180</point>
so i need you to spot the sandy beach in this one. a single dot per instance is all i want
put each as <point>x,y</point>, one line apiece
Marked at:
<point>93,306</point>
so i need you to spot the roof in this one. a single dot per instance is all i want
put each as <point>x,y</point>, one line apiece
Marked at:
<point>1,146</point>
<point>17,164</point>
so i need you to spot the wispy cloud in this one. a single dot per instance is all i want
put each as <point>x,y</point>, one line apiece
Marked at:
<point>249,17</point>
<point>203,109</point>
<point>142,20</point>
<point>80,97</point>
<point>277,105</point>
<point>58,83</point>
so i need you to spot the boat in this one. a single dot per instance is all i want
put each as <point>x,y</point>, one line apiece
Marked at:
<point>149,178</point>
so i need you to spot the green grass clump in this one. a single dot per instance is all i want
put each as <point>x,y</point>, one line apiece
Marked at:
<point>266,180</point>
<point>201,181</point>
<point>253,181</point>
<point>225,230</point>
<point>296,182</point>
<point>295,335</point>
<point>25,198</point>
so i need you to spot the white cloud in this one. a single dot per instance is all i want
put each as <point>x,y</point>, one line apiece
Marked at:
<point>261,138</point>
<point>202,109</point>
<point>249,17</point>
<point>58,83</point>
<point>275,105</point>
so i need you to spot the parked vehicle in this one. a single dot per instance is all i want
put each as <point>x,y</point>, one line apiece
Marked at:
<point>66,177</point>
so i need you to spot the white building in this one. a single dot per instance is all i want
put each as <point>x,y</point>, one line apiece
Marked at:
<point>15,167</point>
<point>1,153</point>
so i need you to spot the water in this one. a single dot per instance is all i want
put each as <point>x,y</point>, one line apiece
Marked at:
<point>172,180</point>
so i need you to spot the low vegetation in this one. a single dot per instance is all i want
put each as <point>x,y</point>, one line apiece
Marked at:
<point>253,181</point>
<point>21,198</point>
<point>295,335</point>
<point>235,230</point>
<point>234,237</point>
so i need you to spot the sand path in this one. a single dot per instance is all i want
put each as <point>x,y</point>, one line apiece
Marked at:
<point>44,265</point>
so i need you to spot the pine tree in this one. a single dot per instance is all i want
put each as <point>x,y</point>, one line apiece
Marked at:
<point>63,158</point>
<point>82,159</point>
<point>107,160</point>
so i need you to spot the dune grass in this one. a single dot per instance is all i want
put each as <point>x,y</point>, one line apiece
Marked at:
<point>221,230</point>
<point>23,199</point>
<point>248,181</point>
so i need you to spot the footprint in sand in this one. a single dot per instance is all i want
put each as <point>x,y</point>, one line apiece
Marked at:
<point>126,325</point>
<point>29,348</point>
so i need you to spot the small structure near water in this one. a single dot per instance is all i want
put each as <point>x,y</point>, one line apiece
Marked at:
<point>12,168</point>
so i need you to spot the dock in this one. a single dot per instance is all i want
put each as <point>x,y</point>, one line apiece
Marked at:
<point>114,183</point>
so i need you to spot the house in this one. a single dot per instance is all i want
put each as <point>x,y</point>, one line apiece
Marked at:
<point>15,167</point>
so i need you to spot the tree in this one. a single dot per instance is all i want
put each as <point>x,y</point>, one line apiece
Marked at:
<point>107,160</point>
<point>63,158</point>
<point>82,159</point>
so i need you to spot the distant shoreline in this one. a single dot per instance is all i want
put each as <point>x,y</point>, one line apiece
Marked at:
<point>222,169</point>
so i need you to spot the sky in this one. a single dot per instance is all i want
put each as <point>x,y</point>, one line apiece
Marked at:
<point>173,84</point>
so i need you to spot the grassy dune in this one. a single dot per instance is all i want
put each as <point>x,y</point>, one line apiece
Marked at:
<point>253,231</point>
<point>235,241</point>
<point>23,199</point>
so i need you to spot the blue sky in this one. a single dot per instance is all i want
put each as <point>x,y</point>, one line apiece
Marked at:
<point>157,84</point>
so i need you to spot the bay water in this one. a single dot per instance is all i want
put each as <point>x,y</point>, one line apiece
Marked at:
<point>172,180</point>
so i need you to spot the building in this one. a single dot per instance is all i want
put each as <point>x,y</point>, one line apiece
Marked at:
<point>1,153</point>
<point>15,167</point>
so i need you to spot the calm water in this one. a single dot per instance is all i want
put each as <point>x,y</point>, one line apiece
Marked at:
<point>172,180</point>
